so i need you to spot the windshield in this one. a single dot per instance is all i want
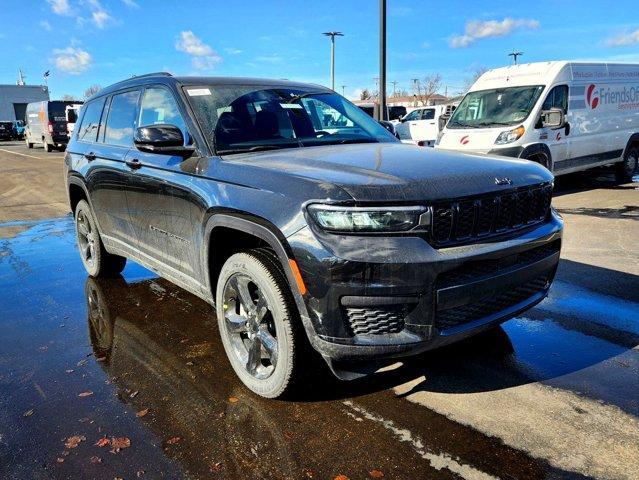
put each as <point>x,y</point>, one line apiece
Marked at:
<point>496,107</point>
<point>245,118</point>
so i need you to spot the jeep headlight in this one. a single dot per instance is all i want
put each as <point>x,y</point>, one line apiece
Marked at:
<point>510,136</point>
<point>337,218</point>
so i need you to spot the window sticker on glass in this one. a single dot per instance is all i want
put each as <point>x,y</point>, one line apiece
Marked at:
<point>198,92</point>
<point>291,105</point>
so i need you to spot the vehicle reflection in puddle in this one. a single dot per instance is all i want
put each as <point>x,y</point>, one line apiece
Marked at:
<point>157,348</point>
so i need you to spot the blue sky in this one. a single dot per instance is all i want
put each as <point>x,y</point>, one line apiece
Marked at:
<point>84,42</point>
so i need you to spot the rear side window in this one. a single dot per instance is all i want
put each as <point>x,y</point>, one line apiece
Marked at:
<point>88,131</point>
<point>428,114</point>
<point>121,120</point>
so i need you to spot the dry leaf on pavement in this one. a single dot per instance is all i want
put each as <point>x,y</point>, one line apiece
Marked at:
<point>141,413</point>
<point>173,441</point>
<point>88,393</point>
<point>376,474</point>
<point>234,399</point>
<point>74,441</point>
<point>118,443</point>
<point>103,442</point>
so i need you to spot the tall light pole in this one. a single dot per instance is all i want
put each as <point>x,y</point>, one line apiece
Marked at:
<point>343,90</point>
<point>515,55</point>
<point>333,35</point>
<point>381,114</point>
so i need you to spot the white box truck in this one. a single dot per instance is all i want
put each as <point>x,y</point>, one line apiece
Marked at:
<point>568,116</point>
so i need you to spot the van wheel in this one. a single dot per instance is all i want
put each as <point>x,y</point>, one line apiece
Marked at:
<point>96,260</point>
<point>259,323</point>
<point>542,159</point>
<point>625,169</point>
<point>29,144</point>
<point>48,147</point>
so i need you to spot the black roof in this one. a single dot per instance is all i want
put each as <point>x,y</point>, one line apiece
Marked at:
<point>168,79</point>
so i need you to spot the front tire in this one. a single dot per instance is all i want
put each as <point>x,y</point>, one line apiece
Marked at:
<point>48,147</point>
<point>259,323</point>
<point>96,260</point>
<point>625,169</point>
<point>29,144</point>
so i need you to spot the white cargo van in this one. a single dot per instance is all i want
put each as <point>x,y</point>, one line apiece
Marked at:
<point>567,116</point>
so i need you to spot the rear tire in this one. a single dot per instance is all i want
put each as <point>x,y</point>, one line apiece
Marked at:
<point>259,323</point>
<point>625,169</point>
<point>48,147</point>
<point>29,144</point>
<point>96,260</point>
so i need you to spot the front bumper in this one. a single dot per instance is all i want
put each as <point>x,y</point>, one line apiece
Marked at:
<point>375,298</point>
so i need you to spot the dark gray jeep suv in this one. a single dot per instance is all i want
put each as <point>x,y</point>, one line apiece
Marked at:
<point>305,222</point>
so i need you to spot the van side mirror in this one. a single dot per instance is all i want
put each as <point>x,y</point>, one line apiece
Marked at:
<point>553,118</point>
<point>163,138</point>
<point>388,126</point>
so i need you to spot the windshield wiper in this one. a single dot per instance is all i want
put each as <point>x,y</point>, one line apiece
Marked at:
<point>499,124</point>
<point>257,148</point>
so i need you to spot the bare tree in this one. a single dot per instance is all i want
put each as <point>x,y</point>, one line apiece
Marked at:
<point>365,94</point>
<point>68,98</point>
<point>92,90</point>
<point>475,74</point>
<point>429,88</point>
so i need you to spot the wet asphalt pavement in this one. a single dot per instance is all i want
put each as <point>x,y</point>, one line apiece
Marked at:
<point>551,394</point>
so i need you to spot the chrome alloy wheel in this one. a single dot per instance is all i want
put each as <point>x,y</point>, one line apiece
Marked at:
<point>249,326</point>
<point>86,238</point>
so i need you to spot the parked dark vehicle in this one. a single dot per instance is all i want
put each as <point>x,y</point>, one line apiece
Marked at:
<point>6,131</point>
<point>47,125</point>
<point>301,233</point>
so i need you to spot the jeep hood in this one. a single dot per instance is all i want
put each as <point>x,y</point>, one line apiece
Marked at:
<point>395,172</point>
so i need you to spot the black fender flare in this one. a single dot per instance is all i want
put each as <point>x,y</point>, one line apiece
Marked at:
<point>537,148</point>
<point>634,139</point>
<point>264,230</point>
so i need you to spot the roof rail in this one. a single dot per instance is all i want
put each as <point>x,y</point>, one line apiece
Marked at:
<point>153,74</point>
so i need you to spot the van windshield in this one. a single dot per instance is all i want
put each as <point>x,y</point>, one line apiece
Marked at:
<point>247,118</point>
<point>495,107</point>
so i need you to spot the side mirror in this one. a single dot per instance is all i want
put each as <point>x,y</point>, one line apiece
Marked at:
<point>163,139</point>
<point>388,126</point>
<point>553,118</point>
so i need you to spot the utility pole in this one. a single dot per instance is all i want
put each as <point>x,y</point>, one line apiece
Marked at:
<point>394,82</point>
<point>515,55</point>
<point>333,35</point>
<point>382,114</point>
<point>343,87</point>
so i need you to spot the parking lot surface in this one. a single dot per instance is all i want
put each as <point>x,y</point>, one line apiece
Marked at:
<point>127,377</point>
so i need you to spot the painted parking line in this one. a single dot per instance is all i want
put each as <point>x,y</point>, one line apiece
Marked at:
<point>26,155</point>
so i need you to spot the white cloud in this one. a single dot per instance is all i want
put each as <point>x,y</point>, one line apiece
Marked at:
<point>202,55</point>
<point>46,25</point>
<point>477,29</point>
<point>100,17</point>
<point>623,40</point>
<point>72,60</point>
<point>131,3</point>
<point>233,51</point>
<point>60,7</point>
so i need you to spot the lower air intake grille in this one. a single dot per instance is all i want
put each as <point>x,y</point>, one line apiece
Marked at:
<point>491,305</point>
<point>376,321</point>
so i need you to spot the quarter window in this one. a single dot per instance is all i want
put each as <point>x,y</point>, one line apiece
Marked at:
<point>159,107</point>
<point>557,98</point>
<point>121,120</point>
<point>88,130</point>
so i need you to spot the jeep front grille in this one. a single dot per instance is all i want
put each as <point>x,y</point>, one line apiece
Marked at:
<point>466,220</point>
